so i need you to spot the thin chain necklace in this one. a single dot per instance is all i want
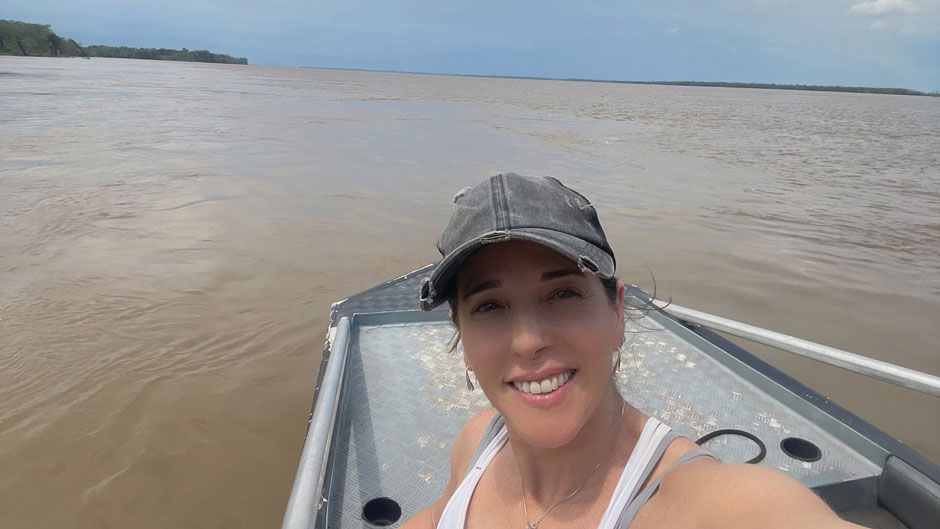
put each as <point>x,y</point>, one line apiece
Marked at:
<point>525,509</point>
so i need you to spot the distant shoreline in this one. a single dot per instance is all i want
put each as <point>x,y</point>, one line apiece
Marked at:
<point>775,86</point>
<point>715,84</point>
<point>38,40</point>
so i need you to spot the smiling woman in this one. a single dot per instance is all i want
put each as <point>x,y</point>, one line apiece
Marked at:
<point>540,302</point>
<point>529,276</point>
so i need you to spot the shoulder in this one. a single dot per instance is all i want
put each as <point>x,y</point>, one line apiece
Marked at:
<point>738,495</point>
<point>467,441</point>
<point>464,447</point>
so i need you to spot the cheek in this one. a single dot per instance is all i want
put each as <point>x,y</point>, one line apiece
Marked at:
<point>595,325</point>
<point>481,351</point>
<point>598,336</point>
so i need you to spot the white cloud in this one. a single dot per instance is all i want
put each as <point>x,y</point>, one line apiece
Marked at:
<point>881,7</point>
<point>903,17</point>
<point>902,27</point>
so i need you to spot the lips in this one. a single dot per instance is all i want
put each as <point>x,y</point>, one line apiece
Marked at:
<point>544,385</point>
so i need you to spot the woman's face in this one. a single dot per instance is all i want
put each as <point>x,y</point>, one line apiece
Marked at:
<point>539,335</point>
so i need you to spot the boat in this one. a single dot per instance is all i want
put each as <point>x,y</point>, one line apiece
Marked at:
<point>390,398</point>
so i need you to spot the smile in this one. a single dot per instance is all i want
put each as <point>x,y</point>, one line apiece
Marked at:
<point>546,385</point>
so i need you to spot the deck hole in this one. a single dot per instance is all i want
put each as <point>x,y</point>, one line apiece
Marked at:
<point>381,511</point>
<point>800,449</point>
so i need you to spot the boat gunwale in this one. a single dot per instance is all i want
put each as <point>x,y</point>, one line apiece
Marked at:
<point>879,438</point>
<point>872,442</point>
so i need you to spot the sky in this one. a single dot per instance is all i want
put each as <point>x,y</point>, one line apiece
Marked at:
<point>887,43</point>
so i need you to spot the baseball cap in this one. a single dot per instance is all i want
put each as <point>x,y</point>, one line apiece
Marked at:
<point>507,207</point>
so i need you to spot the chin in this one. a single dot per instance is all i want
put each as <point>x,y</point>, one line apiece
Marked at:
<point>542,428</point>
<point>548,441</point>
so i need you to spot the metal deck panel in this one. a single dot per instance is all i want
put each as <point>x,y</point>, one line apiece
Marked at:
<point>404,402</point>
<point>665,376</point>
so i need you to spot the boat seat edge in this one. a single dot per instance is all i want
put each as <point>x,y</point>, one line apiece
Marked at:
<point>909,494</point>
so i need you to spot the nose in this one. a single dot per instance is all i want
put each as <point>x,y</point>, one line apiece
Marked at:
<point>530,333</point>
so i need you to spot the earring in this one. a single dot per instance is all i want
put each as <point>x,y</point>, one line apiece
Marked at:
<point>469,383</point>
<point>616,368</point>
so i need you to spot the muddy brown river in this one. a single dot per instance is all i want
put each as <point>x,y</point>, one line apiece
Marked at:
<point>172,236</point>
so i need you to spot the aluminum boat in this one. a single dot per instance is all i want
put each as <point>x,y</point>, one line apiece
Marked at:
<point>391,397</point>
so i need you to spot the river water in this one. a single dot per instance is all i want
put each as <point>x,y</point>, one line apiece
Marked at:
<point>172,236</point>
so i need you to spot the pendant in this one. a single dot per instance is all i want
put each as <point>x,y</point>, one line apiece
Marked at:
<point>531,525</point>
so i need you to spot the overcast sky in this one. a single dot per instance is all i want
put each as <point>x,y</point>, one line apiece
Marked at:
<point>848,42</point>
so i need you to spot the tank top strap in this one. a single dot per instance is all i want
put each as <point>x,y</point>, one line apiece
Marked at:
<point>628,514</point>
<point>489,433</point>
<point>657,454</point>
<point>647,450</point>
<point>454,514</point>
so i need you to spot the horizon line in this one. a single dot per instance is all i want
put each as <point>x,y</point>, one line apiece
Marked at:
<point>714,84</point>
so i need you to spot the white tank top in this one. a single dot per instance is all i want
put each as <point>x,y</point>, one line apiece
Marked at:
<point>627,497</point>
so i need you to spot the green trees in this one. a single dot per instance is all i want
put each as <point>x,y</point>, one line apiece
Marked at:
<point>162,54</point>
<point>38,40</point>
<point>22,38</point>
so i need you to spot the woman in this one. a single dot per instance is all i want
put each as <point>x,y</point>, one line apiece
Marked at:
<point>529,276</point>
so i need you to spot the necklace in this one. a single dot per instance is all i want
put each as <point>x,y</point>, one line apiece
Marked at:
<point>525,509</point>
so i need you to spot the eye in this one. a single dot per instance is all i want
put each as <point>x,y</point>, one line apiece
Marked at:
<point>484,307</point>
<point>565,293</point>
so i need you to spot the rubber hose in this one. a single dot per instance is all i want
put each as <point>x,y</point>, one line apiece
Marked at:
<point>760,444</point>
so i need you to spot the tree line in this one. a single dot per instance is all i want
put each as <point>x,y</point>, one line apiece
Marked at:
<point>811,87</point>
<point>162,54</point>
<point>775,86</point>
<point>38,40</point>
<point>21,38</point>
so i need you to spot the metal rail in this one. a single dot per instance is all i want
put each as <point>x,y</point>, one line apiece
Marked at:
<point>894,374</point>
<point>305,494</point>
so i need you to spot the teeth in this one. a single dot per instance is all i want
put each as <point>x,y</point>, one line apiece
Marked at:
<point>537,387</point>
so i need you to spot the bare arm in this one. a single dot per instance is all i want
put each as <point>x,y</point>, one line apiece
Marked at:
<point>749,496</point>
<point>464,446</point>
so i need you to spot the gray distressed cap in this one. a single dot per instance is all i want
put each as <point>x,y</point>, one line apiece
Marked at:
<point>509,206</point>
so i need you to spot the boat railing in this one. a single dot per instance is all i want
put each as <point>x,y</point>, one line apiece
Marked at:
<point>305,496</point>
<point>895,374</point>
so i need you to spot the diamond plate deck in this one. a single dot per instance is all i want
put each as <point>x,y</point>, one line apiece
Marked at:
<point>404,401</point>
<point>669,378</point>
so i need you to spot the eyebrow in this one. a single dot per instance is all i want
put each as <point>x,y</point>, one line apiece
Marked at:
<point>495,283</point>
<point>481,286</point>
<point>548,276</point>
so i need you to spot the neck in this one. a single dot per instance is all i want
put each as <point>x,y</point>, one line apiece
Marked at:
<point>549,475</point>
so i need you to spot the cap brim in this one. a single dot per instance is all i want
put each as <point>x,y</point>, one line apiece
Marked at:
<point>588,257</point>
